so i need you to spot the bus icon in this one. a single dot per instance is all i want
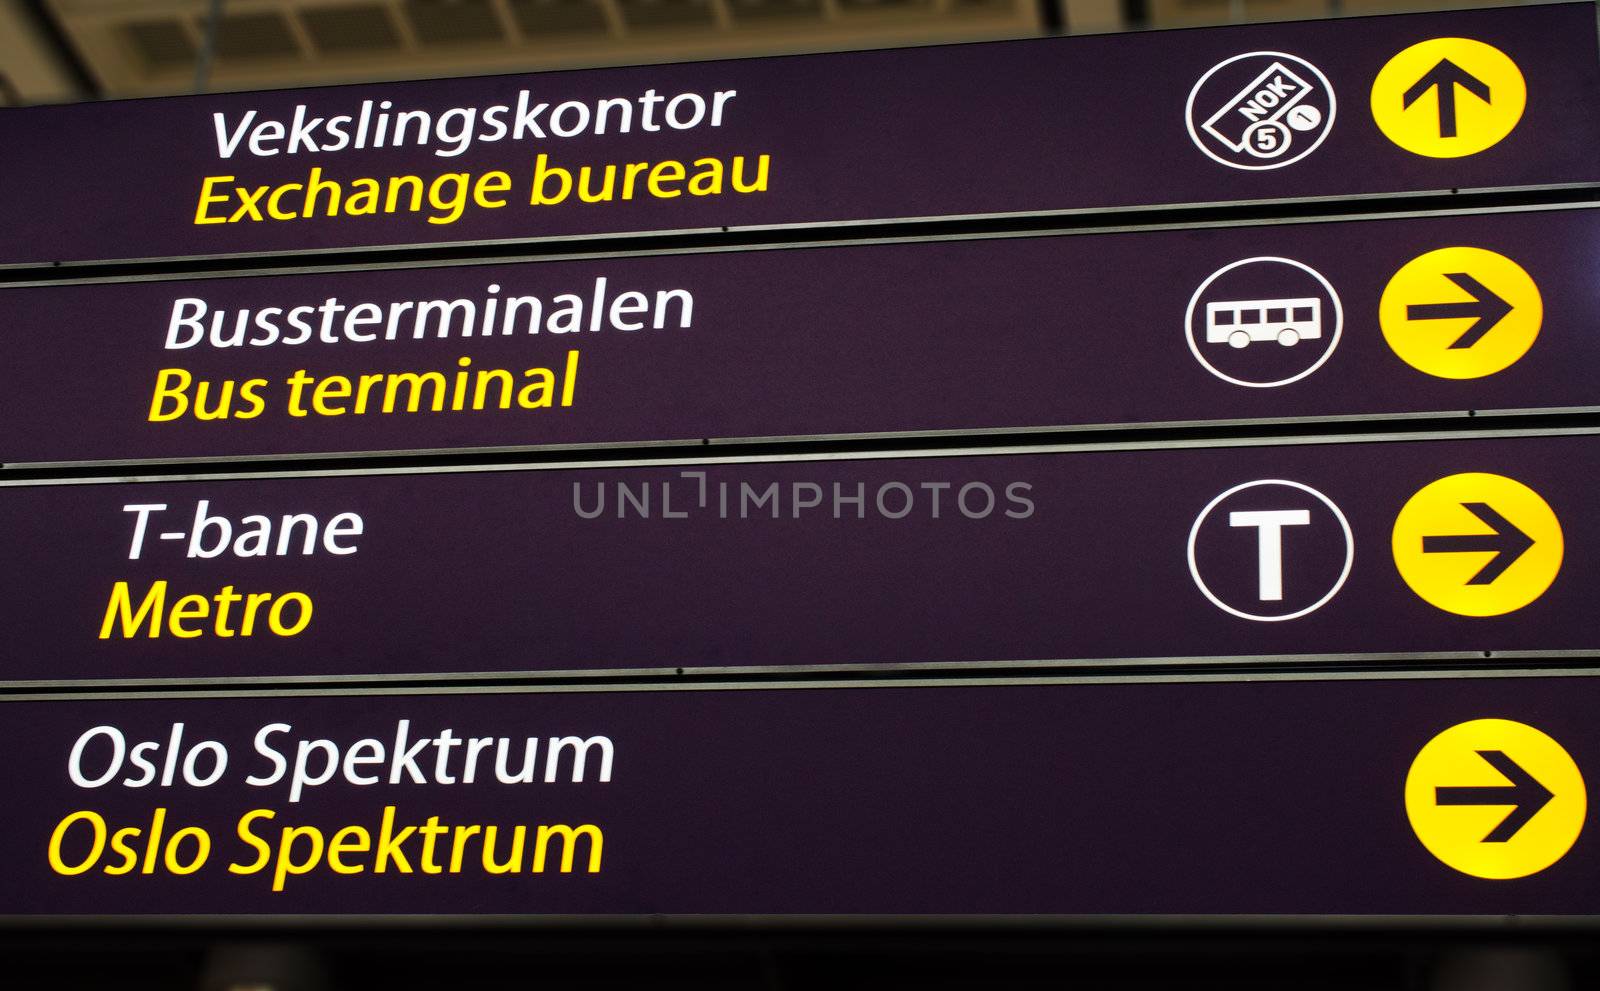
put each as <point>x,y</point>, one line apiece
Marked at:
<point>1242,322</point>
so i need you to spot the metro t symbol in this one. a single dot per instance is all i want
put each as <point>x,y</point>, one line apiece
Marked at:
<point>1269,524</point>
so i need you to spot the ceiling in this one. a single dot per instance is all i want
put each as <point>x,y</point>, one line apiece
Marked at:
<point>60,50</point>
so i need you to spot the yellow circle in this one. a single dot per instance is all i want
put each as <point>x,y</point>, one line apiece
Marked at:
<point>1445,313</point>
<point>1457,829</point>
<point>1448,97</point>
<point>1463,544</point>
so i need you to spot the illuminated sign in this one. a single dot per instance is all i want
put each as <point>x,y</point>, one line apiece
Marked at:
<point>1039,798</point>
<point>1370,318</point>
<point>1350,108</point>
<point>1439,547</point>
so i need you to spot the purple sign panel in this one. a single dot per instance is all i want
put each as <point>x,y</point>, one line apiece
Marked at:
<point>1364,107</point>
<point>1455,546</point>
<point>1357,318</point>
<point>1211,798</point>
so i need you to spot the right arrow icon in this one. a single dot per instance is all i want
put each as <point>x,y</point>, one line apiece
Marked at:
<point>1524,794</point>
<point>1439,315</point>
<point>1455,546</point>
<point>1488,813</point>
<point>1508,543</point>
<point>1488,308</point>
<point>1444,77</point>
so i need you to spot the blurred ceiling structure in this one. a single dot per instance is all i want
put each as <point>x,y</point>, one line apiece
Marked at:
<point>63,50</point>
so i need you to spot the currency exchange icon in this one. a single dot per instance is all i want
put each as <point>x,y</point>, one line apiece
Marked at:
<point>1260,110</point>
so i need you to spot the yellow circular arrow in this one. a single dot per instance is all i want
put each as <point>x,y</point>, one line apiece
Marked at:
<point>1448,97</point>
<point>1495,799</point>
<point>1477,544</point>
<point>1460,313</point>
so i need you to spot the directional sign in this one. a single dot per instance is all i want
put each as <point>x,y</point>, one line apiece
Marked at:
<point>1151,327</point>
<point>1485,309</point>
<point>992,559</point>
<point>1505,541</point>
<point>1057,125</point>
<point>1525,796</point>
<point>1461,312</point>
<point>1442,80</point>
<point>1478,544</point>
<point>1449,97</point>
<point>1059,799</point>
<point>1495,798</point>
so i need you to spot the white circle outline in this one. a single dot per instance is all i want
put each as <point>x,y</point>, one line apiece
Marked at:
<point>1188,112</point>
<point>1249,149</point>
<point>1288,118</point>
<point>1194,299</point>
<point>1349,551</point>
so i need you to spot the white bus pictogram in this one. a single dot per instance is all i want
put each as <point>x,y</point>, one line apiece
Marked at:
<point>1242,322</point>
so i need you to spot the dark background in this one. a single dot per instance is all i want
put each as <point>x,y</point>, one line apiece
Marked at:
<point>1396,956</point>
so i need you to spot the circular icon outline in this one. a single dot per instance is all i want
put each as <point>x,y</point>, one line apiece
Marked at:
<point>1194,91</point>
<point>1334,338</point>
<point>1338,514</point>
<point>1277,126</point>
<point>1303,118</point>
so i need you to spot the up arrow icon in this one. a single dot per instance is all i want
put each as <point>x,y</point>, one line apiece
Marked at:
<point>1453,70</point>
<point>1444,77</point>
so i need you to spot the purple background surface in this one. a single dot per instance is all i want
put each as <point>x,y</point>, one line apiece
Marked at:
<point>1047,125</point>
<point>959,335</point>
<point>1202,798</point>
<point>495,571</point>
